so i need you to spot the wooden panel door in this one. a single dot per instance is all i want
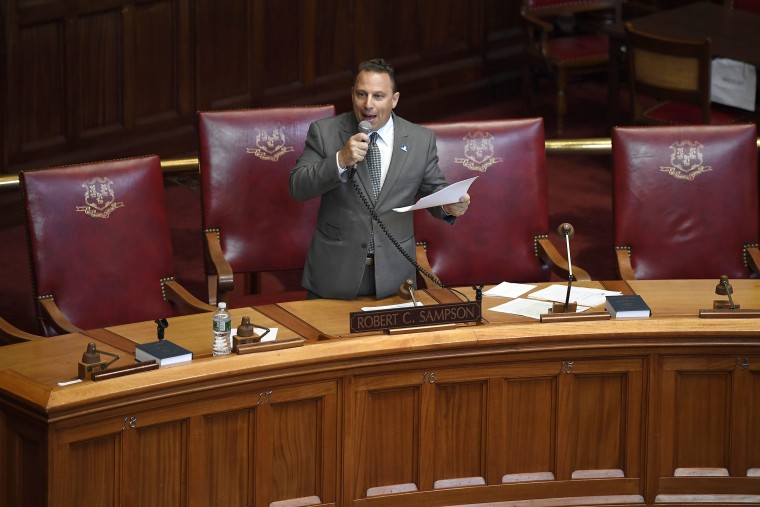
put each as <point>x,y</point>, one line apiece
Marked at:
<point>140,459</point>
<point>269,445</point>
<point>524,428</point>
<point>417,431</point>
<point>455,439</point>
<point>707,442</point>
<point>23,460</point>
<point>296,446</point>
<point>250,447</point>
<point>384,433</point>
<point>601,418</point>
<point>749,430</point>
<point>569,420</point>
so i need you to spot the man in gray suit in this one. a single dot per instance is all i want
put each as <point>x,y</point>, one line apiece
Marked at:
<point>350,255</point>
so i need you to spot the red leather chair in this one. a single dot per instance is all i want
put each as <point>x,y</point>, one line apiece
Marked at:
<point>251,223</point>
<point>100,247</point>
<point>504,234</point>
<point>685,201</point>
<point>583,51</point>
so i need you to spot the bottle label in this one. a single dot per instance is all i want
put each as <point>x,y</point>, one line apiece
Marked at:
<point>223,325</point>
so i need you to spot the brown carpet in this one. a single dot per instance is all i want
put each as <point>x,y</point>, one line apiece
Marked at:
<point>579,193</point>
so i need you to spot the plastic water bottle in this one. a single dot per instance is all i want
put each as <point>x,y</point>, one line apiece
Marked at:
<point>222,329</point>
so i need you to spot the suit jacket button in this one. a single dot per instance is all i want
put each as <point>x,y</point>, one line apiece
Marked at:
<point>364,245</point>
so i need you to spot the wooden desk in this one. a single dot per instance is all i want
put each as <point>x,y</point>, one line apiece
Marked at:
<point>735,34</point>
<point>608,412</point>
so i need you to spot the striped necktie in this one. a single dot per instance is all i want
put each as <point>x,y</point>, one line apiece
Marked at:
<point>374,164</point>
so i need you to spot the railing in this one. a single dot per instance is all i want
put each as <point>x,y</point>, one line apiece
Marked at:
<point>186,166</point>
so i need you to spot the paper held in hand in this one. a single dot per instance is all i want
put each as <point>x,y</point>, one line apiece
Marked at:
<point>448,195</point>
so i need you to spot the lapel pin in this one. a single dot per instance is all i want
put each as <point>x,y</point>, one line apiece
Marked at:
<point>404,147</point>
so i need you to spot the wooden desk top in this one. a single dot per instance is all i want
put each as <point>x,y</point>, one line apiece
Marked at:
<point>687,297</point>
<point>32,370</point>
<point>194,331</point>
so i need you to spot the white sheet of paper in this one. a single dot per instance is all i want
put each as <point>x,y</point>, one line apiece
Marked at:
<point>390,307</point>
<point>270,337</point>
<point>448,195</point>
<point>582,295</point>
<point>524,307</point>
<point>530,308</point>
<point>508,290</point>
<point>733,83</point>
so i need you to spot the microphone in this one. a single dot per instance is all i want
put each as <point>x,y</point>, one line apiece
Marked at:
<point>91,361</point>
<point>724,288</point>
<point>406,291</point>
<point>161,324</point>
<point>565,230</point>
<point>366,128</point>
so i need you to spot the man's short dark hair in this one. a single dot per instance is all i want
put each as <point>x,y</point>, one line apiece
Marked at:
<point>380,66</point>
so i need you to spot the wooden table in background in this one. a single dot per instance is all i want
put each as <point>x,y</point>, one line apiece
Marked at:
<point>735,34</point>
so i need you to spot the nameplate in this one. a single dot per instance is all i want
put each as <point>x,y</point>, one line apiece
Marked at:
<point>433,315</point>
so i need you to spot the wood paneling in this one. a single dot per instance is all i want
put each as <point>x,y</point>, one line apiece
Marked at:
<point>750,432</point>
<point>88,80</point>
<point>98,460</point>
<point>228,440</point>
<point>570,413</point>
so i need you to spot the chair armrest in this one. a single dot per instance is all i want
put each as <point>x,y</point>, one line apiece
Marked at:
<point>424,263</point>
<point>753,258</point>
<point>56,318</point>
<point>624,263</point>
<point>11,334</point>
<point>185,302</point>
<point>550,256</point>
<point>224,276</point>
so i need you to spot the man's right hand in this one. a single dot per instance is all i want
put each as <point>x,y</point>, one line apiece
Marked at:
<point>354,150</point>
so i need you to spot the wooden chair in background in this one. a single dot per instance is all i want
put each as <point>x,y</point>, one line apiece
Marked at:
<point>504,236</point>
<point>685,202</point>
<point>100,246</point>
<point>254,230</point>
<point>583,51</point>
<point>670,81</point>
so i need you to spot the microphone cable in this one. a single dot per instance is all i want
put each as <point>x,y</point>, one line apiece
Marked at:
<point>395,242</point>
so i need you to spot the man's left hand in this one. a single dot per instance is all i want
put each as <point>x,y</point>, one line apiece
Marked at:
<point>457,209</point>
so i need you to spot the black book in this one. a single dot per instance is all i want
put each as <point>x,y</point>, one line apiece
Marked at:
<point>163,351</point>
<point>627,307</point>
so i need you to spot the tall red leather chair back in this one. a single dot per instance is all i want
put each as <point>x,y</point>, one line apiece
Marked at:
<point>99,240</point>
<point>685,199</point>
<point>245,161</point>
<point>494,241</point>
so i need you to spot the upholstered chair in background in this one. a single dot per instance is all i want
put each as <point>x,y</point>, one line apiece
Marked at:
<point>685,201</point>
<point>100,245</point>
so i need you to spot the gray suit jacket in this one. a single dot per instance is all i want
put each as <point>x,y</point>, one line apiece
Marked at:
<point>336,259</point>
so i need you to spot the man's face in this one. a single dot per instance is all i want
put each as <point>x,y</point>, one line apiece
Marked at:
<point>373,98</point>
